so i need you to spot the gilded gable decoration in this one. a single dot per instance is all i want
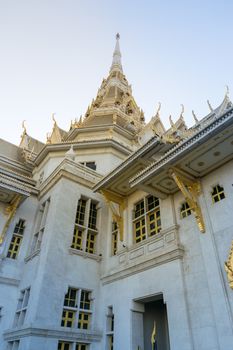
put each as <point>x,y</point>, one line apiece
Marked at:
<point>229,267</point>
<point>57,135</point>
<point>10,212</point>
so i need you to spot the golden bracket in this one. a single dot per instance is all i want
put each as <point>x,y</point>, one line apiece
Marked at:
<point>118,217</point>
<point>191,189</point>
<point>10,211</point>
<point>229,267</point>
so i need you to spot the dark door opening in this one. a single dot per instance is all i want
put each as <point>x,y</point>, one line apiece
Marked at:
<point>156,312</point>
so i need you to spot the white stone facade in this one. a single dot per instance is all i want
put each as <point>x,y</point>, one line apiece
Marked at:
<point>178,266</point>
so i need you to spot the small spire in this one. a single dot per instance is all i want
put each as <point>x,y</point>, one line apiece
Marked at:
<point>116,61</point>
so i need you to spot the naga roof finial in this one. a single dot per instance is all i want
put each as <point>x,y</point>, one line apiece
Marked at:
<point>158,110</point>
<point>171,121</point>
<point>209,105</point>
<point>24,127</point>
<point>53,118</point>
<point>195,117</point>
<point>227,91</point>
<point>182,111</point>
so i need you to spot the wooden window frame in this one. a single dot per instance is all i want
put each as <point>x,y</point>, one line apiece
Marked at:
<point>114,238</point>
<point>16,240</point>
<point>185,210</point>
<point>81,309</point>
<point>71,346</point>
<point>110,329</point>
<point>143,224</point>
<point>217,193</point>
<point>40,226</point>
<point>22,306</point>
<point>85,234</point>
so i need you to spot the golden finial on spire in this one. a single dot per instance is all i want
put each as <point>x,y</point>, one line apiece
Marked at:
<point>195,117</point>
<point>209,105</point>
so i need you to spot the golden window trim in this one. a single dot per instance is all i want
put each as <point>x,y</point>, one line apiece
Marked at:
<point>16,239</point>
<point>145,216</point>
<point>85,227</point>
<point>187,211</point>
<point>76,316</point>
<point>114,238</point>
<point>218,193</point>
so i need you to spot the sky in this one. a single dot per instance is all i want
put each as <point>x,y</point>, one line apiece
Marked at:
<point>55,53</point>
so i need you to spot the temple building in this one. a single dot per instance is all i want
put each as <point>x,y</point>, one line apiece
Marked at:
<point>117,234</point>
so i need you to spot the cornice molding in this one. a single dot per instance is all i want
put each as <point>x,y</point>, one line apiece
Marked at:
<point>9,281</point>
<point>156,250</point>
<point>73,171</point>
<point>65,146</point>
<point>71,334</point>
<point>17,186</point>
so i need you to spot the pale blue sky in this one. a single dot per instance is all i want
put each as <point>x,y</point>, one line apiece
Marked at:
<point>54,54</point>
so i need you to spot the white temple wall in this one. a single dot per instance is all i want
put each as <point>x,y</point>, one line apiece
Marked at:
<point>120,294</point>
<point>208,294</point>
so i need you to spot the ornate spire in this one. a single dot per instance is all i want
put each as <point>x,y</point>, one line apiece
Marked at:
<point>116,61</point>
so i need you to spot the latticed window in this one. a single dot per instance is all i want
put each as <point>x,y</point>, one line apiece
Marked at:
<point>68,317</point>
<point>63,345</point>
<point>91,165</point>
<point>77,242</point>
<point>85,303</point>
<point>185,210</point>
<point>93,216</point>
<point>40,225</point>
<point>77,310</point>
<point>114,240</point>
<point>80,214</point>
<point>110,329</point>
<point>16,239</point>
<point>218,193</point>
<point>147,220</point>
<point>85,230</point>
<point>84,320</point>
<point>90,243</point>
<point>22,307</point>
<point>13,345</point>
<point>81,347</point>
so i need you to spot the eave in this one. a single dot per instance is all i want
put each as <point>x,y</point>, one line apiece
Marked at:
<point>117,181</point>
<point>210,147</point>
<point>103,127</point>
